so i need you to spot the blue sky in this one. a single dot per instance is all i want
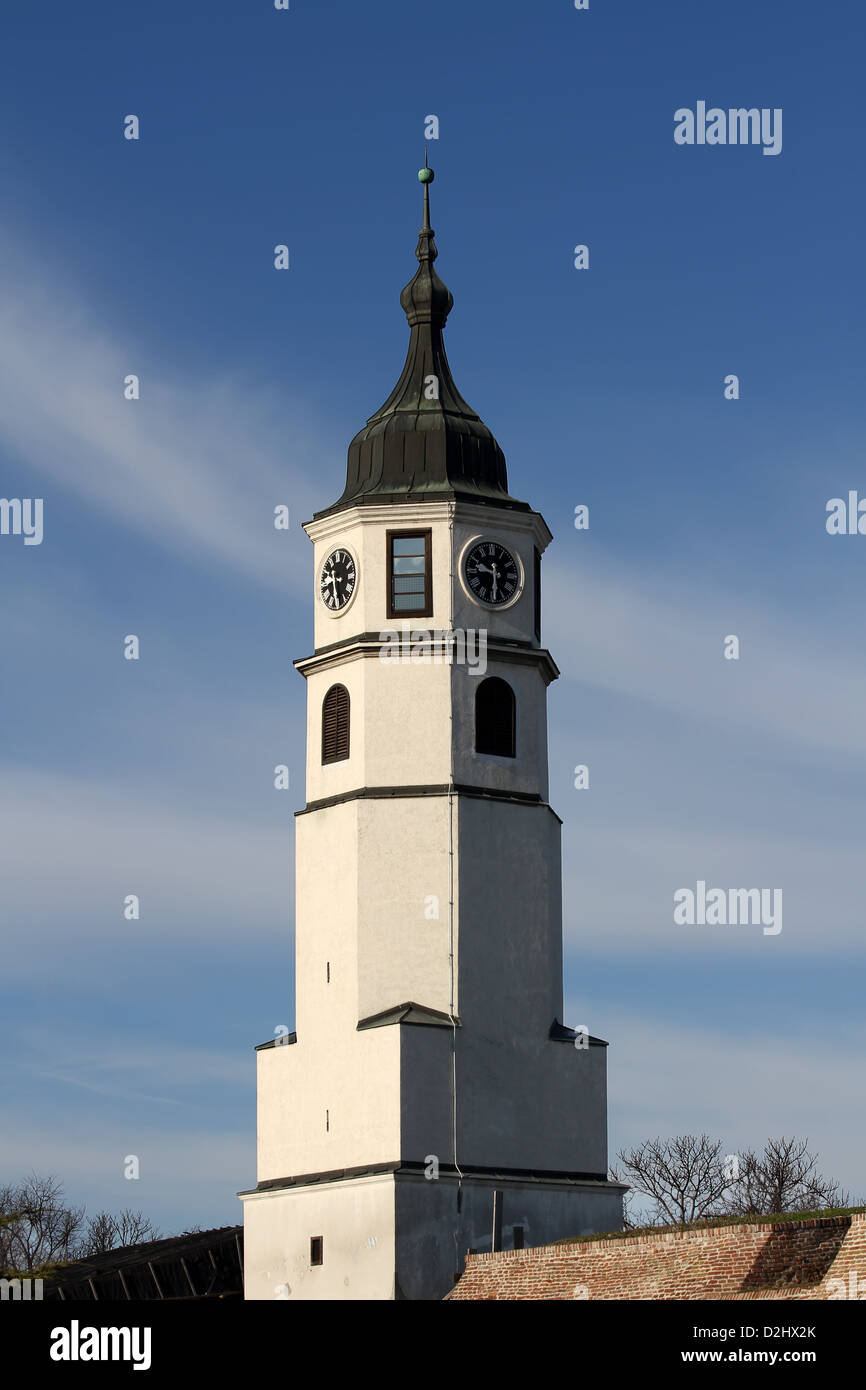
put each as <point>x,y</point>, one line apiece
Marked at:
<point>604,387</point>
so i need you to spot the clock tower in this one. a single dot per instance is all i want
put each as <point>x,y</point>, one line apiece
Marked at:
<point>430,1094</point>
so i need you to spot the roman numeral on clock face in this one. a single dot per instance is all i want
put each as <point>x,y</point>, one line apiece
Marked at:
<point>337,580</point>
<point>491,573</point>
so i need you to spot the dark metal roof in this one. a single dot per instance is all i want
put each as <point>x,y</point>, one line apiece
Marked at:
<point>415,449</point>
<point>416,1168</point>
<point>410,1012</point>
<point>560,1032</point>
<point>283,1041</point>
<point>200,1264</point>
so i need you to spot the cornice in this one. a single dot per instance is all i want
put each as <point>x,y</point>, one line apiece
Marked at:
<point>456,789</point>
<point>485,516</point>
<point>367,645</point>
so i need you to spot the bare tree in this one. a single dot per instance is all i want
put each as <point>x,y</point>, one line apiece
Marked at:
<point>684,1177</point>
<point>106,1232</point>
<point>98,1237</point>
<point>782,1178</point>
<point>133,1228</point>
<point>38,1228</point>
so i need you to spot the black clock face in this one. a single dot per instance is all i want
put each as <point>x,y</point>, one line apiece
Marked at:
<point>338,580</point>
<point>492,573</point>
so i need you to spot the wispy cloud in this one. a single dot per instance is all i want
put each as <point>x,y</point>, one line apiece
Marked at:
<point>187,1174</point>
<point>72,850</point>
<point>196,465</point>
<point>741,773</point>
<point>619,883</point>
<point>130,1067</point>
<point>659,643</point>
<point>741,1087</point>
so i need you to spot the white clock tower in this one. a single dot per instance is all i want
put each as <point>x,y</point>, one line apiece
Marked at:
<point>430,1093</point>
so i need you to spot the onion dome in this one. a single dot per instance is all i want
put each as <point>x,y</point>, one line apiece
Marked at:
<point>425,443</point>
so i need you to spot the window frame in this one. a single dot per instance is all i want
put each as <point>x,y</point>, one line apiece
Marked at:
<point>425,534</point>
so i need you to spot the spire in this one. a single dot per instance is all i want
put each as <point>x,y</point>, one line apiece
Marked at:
<point>426,299</point>
<point>425,443</point>
<point>426,176</point>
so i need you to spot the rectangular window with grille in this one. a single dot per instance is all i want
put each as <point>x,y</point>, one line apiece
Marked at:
<point>317,1250</point>
<point>410,581</point>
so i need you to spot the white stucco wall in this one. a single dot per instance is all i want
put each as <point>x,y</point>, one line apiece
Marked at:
<point>363,531</point>
<point>433,1236</point>
<point>355,1218</point>
<point>402,1237</point>
<point>375,929</point>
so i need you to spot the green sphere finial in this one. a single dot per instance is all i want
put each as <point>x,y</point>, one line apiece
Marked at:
<point>425,175</point>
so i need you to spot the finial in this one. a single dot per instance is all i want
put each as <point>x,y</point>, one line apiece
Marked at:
<point>425,299</point>
<point>426,176</point>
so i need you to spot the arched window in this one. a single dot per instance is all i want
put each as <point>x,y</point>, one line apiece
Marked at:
<point>494,718</point>
<point>335,725</point>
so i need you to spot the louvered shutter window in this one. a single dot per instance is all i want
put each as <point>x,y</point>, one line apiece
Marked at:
<point>335,725</point>
<point>495,718</point>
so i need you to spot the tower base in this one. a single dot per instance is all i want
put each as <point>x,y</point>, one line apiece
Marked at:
<point>398,1231</point>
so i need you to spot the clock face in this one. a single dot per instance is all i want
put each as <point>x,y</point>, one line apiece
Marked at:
<point>338,580</point>
<point>491,573</point>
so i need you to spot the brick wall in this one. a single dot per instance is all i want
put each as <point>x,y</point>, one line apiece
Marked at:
<point>818,1258</point>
